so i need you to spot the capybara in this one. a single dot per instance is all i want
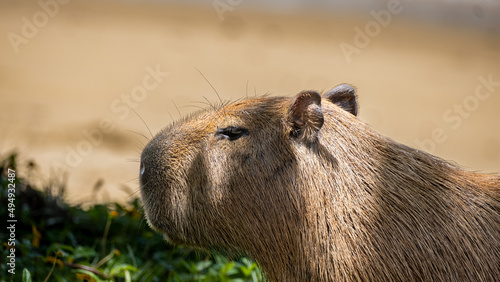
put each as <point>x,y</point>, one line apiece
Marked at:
<point>312,193</point>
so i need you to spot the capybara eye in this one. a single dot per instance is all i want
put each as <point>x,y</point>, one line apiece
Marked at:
<point>231,133</point>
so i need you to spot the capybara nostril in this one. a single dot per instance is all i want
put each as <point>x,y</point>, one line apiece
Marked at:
<point>142,168</point>
<point>152,164</point>
<point>142,172</point>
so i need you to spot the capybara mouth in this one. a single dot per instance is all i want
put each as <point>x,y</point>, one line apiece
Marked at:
<point>157,203</point>
<point>159,223</point>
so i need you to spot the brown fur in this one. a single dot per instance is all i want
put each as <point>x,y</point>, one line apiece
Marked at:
<point>314,194</point>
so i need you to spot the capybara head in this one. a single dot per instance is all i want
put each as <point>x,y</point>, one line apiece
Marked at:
<point>308,190</point>
<point>224,173</point>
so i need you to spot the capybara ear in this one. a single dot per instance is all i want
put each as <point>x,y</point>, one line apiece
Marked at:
<point>305,115</point>
<point>343,96</point>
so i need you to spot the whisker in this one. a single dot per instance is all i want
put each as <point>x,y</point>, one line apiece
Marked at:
<point>177,108</point>
<point>194,106</point>
<point>133,160</point>
<point>220,100</point>
<point>246,89</point>
<point>202,102</point>
<point>130,192</point>
<point>140,134</point>
<point>143,122</point>
<point>135,193</point>
<point>138,149</point>
<point>142,223</point>
<point>213,107</point>
<point>170,115</point>
<point>133,179</point>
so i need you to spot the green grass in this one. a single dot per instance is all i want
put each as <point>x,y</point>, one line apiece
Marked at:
<point>55,241</point>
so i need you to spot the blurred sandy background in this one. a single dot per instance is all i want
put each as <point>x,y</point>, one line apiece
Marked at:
<point>68,73</point>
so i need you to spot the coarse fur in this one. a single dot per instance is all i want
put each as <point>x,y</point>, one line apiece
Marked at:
<point>313,194</point>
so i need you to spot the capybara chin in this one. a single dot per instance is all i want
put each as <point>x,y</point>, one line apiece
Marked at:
<point>313,194</point>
